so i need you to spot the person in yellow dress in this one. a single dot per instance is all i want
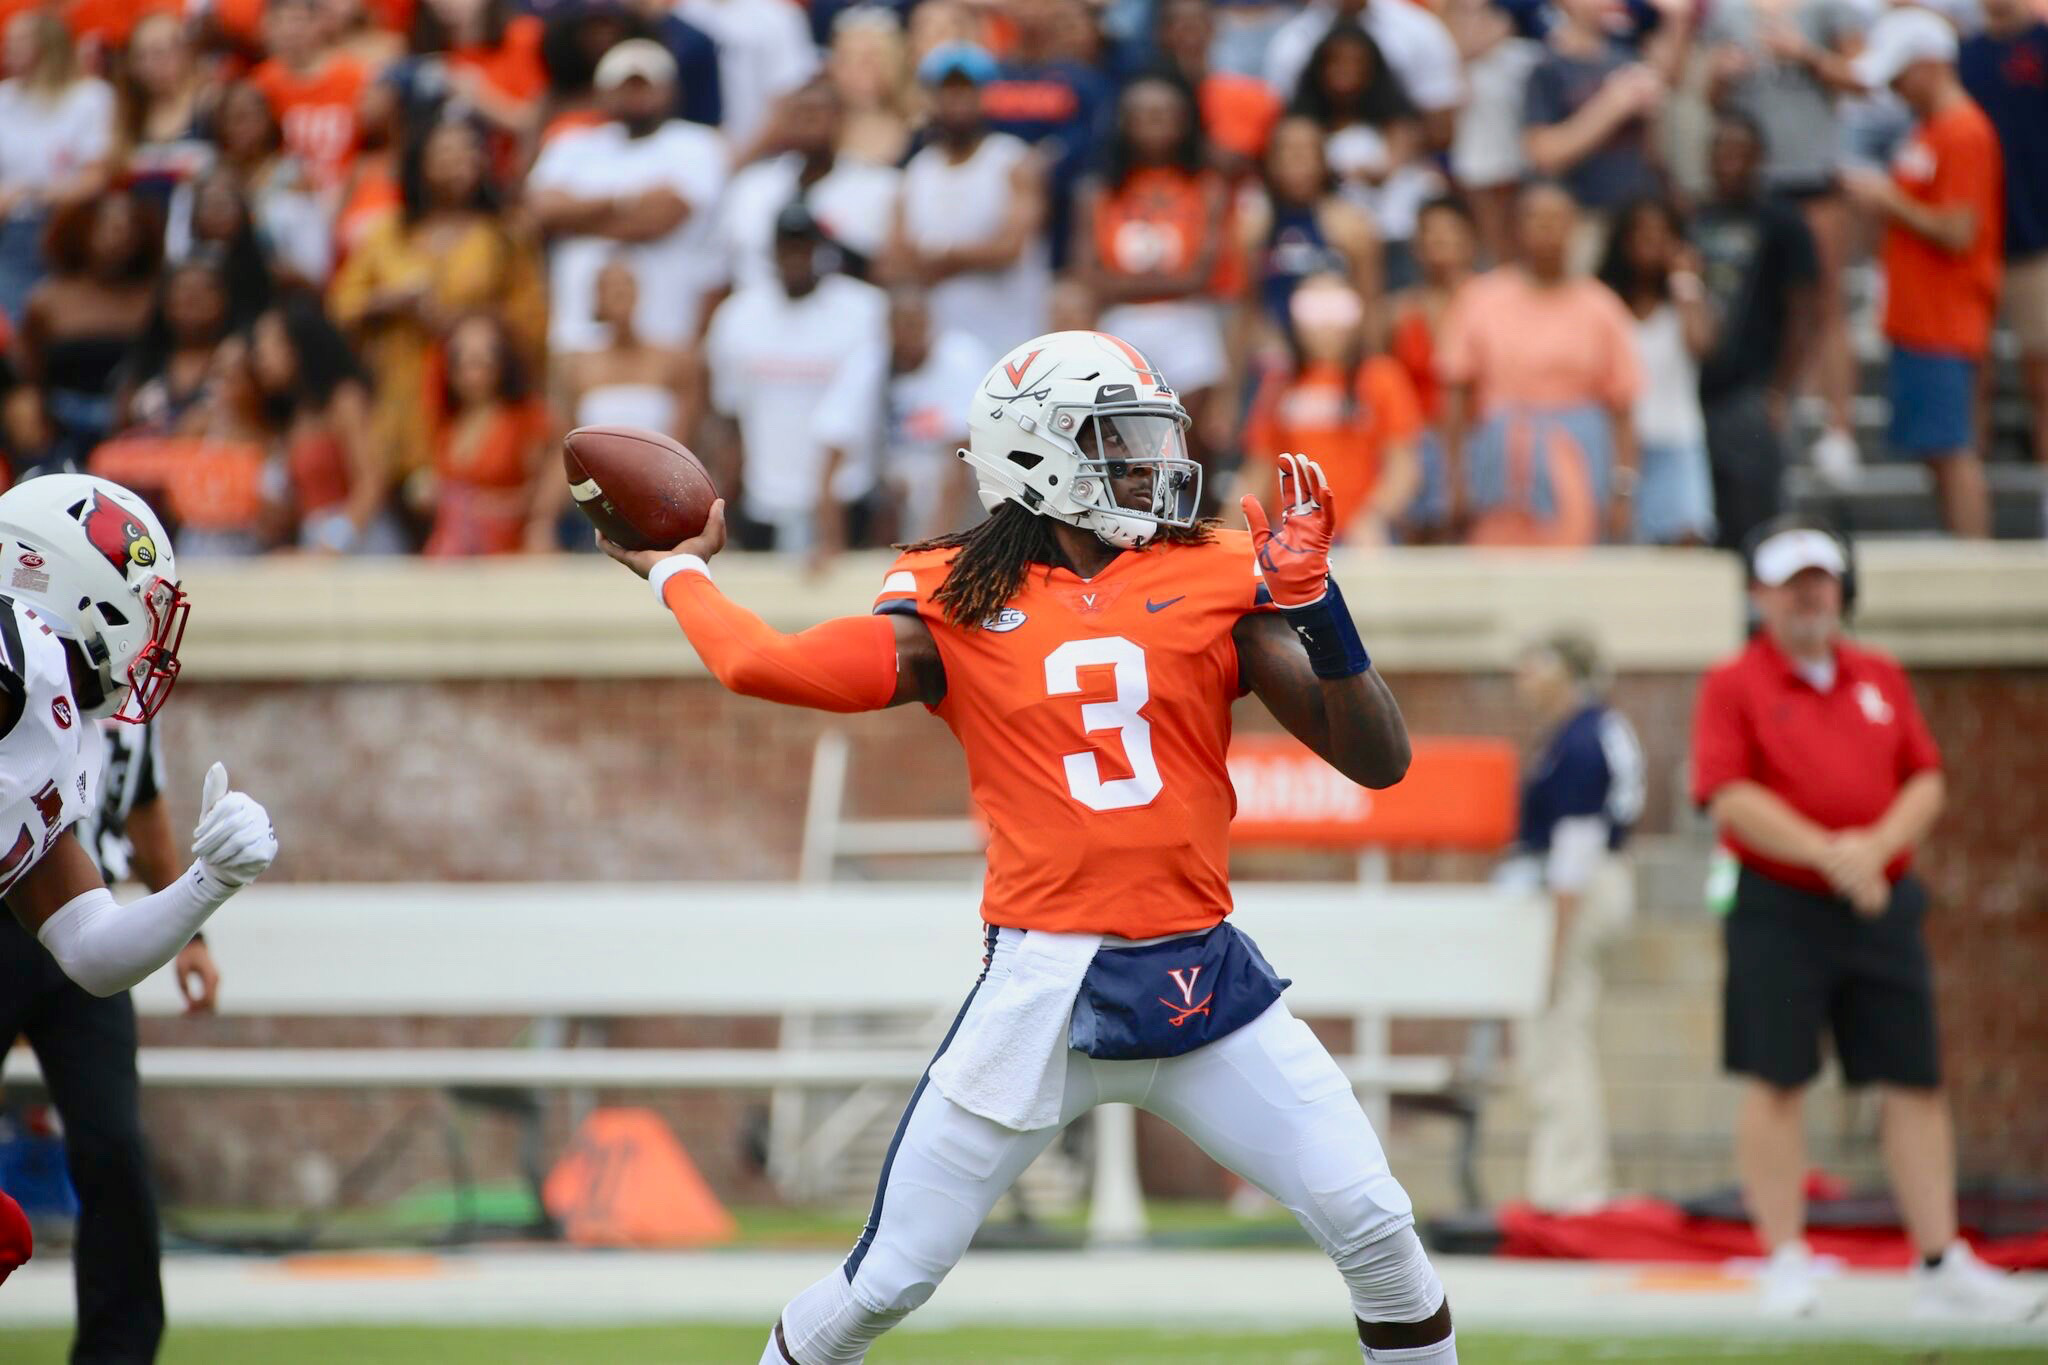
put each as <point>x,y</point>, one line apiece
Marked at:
<point>448,254</point>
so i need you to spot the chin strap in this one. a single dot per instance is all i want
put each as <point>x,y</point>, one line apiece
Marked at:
<point>88,684</point>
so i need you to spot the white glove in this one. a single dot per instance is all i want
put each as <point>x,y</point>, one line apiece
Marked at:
<point>234,842</point>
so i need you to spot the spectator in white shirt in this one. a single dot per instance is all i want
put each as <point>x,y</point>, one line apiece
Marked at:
<point>59,136</point>
<point>644,180</point>
<point>1415,42</point>
<point>764,52</point>
<point>853,200</point>
<point>971,220</point>
<point>773,350</point>
<point>908,401</point>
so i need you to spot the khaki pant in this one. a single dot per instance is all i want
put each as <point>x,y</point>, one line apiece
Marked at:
<point>1560,1062</point>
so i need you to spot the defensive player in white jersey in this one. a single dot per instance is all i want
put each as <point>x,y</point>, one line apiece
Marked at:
<point>91,616</point>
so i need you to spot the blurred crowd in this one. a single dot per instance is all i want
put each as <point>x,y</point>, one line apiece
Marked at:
<point>334,275</point>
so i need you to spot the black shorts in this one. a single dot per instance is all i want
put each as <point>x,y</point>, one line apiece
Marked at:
<point>1800,962</point>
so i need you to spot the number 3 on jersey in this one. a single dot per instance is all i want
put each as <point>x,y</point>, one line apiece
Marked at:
<point>1084,771</point>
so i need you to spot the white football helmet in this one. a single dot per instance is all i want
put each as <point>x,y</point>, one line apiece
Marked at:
<point>94,561</point>
<point>1061,416</point>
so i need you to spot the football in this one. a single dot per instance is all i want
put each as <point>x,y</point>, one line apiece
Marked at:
<point>644,490</point>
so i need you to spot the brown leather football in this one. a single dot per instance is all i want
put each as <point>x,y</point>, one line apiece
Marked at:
<point>644,490</point>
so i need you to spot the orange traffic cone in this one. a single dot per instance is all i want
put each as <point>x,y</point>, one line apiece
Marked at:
<point>626,1181</point>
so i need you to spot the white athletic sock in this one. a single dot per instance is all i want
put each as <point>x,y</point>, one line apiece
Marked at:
<point>1443,1352</point>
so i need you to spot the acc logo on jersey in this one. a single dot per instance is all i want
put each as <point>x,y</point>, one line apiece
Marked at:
<point>117,535</point>
<point>1009,618</point>
<point>60,711</point>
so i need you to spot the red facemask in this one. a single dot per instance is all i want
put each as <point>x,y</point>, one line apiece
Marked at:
<point>155,666</point>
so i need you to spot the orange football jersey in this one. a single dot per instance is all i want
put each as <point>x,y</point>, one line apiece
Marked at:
<point>1095,714</point>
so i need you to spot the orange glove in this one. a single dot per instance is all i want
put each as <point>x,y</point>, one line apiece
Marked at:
<point>1295,560</point>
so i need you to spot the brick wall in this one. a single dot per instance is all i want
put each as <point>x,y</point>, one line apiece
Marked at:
<point>657,780</point>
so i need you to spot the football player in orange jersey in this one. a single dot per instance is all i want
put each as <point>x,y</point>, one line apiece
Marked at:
<point>1085,644</point>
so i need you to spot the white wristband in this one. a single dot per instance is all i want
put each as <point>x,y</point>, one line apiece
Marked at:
<point>662,572</point>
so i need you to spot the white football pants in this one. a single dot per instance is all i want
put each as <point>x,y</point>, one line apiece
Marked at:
<point>1267,1102</point>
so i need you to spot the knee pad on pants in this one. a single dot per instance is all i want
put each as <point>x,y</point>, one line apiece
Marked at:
<point>1391,1279</point>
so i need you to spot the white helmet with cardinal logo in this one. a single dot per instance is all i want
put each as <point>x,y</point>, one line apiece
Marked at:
<point>1061,416</point>
<point>94,561</point>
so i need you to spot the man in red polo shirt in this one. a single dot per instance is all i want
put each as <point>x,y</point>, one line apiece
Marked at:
<point>1811,755</point>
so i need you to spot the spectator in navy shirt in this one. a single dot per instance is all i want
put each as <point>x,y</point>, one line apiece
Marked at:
<point>1583,792</point>
<point>1053,103</point>
<point>2005,69</point>
<point>1589,107</point>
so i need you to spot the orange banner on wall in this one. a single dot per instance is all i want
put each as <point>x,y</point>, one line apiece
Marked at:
<point>1458,794</point>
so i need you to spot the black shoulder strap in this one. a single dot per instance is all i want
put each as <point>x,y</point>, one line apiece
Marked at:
<point>13,669</point>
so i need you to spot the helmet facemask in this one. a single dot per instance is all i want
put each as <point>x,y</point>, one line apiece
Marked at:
<point>154,669</point>
<point>1120,444</point>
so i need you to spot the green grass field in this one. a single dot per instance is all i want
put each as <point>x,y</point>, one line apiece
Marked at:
<point>987,1346</point>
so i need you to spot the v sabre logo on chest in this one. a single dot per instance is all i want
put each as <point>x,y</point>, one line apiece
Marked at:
<point>1184,979</point>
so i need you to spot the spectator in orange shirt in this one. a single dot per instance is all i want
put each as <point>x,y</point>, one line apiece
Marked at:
<point>1944,212</point>
<point>1545,360</point>
<point>490,477</point>
<point>335,485</point>
<point>1238,112</point>
<point>1152,237</point>
<point>492,58</point>
<point>1352,412</point>
<point>1447,238</point>
<point>312,89</point>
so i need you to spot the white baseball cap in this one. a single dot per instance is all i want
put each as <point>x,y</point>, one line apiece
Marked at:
<point>1900,38</point>
<point>1783,556</point>
<point>635,59</point>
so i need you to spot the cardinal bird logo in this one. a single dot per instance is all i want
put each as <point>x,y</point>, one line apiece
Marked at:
<point>117,535</point>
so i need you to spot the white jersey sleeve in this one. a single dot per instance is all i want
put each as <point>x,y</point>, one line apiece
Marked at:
<point>50,757</point>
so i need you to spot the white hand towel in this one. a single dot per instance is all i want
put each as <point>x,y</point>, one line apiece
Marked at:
<point>1008,1063</point>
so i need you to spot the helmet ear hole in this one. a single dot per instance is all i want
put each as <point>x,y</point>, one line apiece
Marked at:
<point>111,614</point>
<point>1026,459</point>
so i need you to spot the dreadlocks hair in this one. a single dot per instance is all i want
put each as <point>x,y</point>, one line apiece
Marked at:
<point>997,555</point>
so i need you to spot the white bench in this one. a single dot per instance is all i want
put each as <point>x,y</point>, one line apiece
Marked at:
<point>599,950</point>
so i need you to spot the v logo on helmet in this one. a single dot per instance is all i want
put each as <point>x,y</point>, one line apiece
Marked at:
<point>1017,369</point>
<point>117,535</point>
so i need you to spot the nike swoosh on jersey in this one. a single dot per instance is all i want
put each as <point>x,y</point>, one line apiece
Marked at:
<point>1150,605</point>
